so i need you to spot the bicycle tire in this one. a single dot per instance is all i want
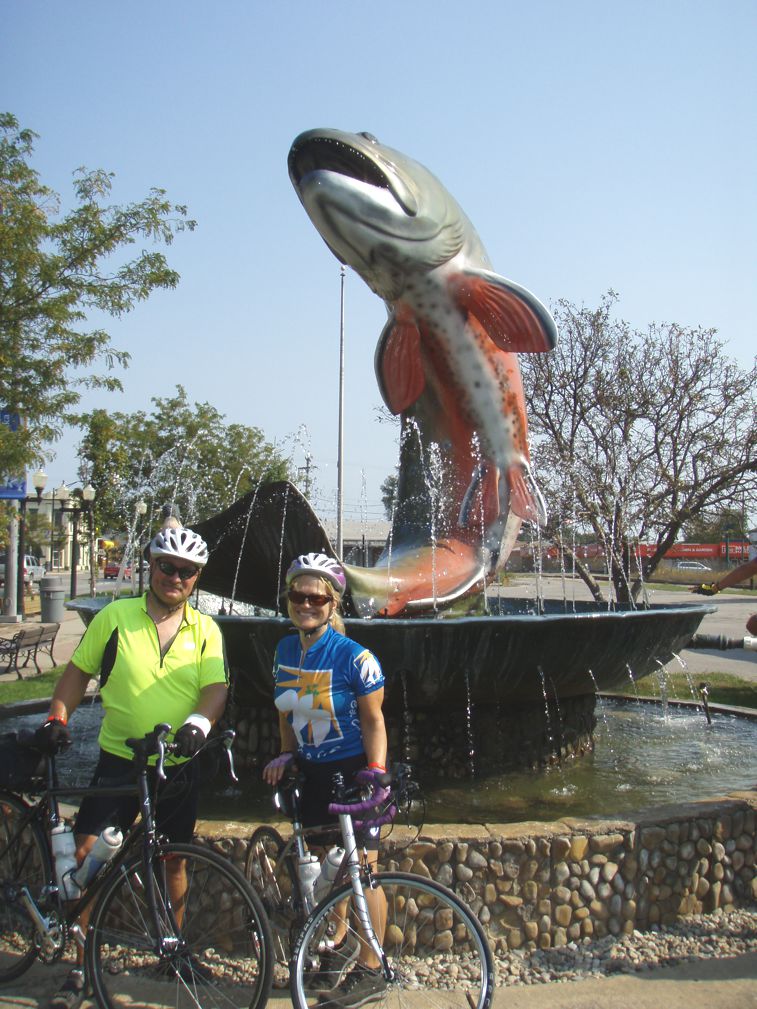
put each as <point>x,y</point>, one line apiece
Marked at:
<point>264,851</point>
<point>433,944</point>
<point>24,862</point>
<point>218,956</point>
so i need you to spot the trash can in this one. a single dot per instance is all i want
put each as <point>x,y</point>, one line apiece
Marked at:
<point>51,593</point>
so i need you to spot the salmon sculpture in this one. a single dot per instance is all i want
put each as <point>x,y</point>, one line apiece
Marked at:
<point>446,363</point>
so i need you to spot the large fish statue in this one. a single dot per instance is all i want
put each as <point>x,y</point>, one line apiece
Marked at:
<point>446,363</point>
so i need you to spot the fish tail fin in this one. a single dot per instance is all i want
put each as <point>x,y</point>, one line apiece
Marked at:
<point>525,497</point>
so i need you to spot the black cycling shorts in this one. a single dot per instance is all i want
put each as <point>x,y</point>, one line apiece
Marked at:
<point>176,811</point>
<point>317,793</point>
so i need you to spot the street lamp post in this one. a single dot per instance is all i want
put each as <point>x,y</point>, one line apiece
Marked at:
<point>141,509</point>
<point>340,435</point>
<point>63,495</point>
<point>39,480</point>
<point>88,497</point>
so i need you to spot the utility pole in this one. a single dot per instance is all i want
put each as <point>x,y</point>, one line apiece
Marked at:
<point>303,473</point>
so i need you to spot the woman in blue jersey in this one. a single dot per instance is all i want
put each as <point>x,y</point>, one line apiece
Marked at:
<point>329,691</point>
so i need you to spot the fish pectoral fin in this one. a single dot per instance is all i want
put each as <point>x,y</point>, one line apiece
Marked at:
<point>399,367</point>
<point>514,318</point>
<point>525,498</point>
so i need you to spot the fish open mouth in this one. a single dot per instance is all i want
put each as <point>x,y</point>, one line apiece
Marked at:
<point>328,154</point>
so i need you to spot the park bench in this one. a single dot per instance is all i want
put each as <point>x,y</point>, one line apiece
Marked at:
<point>29,643</point>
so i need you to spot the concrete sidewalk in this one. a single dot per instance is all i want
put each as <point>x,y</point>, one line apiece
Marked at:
<point>68,637</point>
<point>702,984</point>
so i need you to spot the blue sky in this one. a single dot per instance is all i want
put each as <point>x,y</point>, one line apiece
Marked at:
<point>592,145</point>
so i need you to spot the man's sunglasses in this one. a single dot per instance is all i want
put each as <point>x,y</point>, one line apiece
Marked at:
<point>170,570</point>
<point>311,598</point>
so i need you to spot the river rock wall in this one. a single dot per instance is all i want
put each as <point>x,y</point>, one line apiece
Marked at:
<point>537,886</point>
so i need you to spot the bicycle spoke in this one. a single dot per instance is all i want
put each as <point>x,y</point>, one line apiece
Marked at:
<point>205,943</point>
<point>24,862</point>
<point>432,943</point>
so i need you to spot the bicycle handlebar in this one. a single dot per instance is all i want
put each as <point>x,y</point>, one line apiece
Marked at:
<point>155,742</point>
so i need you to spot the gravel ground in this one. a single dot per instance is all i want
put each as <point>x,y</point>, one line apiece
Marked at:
<point>694,938</point>
<point>709,961</point>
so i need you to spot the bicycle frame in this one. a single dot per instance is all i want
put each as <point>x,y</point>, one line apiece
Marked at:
<point>46,811</point>
<point>358,871</point>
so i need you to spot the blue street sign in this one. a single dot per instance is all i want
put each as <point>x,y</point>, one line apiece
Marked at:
<point>12,488</point>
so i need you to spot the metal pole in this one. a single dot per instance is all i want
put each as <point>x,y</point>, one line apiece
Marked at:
<point>21,557</point>
<point>52,532</point>
<point>340,447</point>
<point>92,550</point>
<point>10,597</point>
<point>74,552</point>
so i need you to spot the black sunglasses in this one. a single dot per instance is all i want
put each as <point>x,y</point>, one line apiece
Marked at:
<point>170,570</point>
<point>312,598</point>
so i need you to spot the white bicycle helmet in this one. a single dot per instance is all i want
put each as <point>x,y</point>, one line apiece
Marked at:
<point>321,566</point>
<point>184,544</point>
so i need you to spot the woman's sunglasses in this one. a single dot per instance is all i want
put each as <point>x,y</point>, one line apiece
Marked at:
<point>170,570</point>
<point>311,598</point>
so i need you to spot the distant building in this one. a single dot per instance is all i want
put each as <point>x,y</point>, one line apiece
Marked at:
<point>363,541</point>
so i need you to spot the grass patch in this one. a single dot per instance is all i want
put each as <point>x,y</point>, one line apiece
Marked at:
<point>31,689</point>
<point>722,688</point>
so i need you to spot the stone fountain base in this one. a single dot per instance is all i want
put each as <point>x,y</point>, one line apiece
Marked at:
<point>458,743</point>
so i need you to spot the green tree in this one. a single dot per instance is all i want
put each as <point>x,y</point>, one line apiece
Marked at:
<point>716,526</point>
<point>389,494</point>
<point>181,453</point>
<point>54,270</point>
<point>635,434</point>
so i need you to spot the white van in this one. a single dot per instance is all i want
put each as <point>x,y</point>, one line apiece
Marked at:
<point>34,569</point>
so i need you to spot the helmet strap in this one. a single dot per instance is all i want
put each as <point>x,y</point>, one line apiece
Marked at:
<point>167,610</point>
<point>309,634</point>
<point>325,623</point>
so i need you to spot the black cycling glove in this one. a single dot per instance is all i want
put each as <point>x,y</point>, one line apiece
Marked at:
<point>189,738</point>
<point>52,737</point>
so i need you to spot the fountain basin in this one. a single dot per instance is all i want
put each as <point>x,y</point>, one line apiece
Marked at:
<point>470,695</point>
<point>450,663</point>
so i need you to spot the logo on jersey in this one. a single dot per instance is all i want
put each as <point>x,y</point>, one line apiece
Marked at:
<point>370,670</point>
<point>307,694</point>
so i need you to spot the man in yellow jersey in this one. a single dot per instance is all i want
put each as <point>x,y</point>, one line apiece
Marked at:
<point>158,660</point>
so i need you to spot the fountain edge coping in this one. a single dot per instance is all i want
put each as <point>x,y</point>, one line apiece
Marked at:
<point>715,806</point>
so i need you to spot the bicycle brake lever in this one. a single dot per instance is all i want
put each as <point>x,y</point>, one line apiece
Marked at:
<point>160,742</point>
<point>228,739</point>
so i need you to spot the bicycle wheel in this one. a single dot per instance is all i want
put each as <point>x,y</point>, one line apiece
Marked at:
<point>208,947</point>
<point>266,846</point>
<point>24,862</point>
<point>432,942</point>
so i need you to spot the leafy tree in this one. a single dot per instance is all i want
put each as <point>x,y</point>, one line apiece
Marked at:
<point>389,494</point>
<point>635,434</point>
<point>714,527</point>
<point>182,454</point>
<point>53,271</point>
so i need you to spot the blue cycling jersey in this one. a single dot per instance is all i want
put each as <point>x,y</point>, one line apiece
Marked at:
<point>318,690</point>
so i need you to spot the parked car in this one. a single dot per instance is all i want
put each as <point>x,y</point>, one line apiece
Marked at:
<point>692,566</point>
<point>113,567</point>
<point>34,569</point>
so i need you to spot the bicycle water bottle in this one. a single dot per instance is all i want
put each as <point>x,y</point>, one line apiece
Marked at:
<point>102,851</point>
<point>64,854</point>
<point>308,868</point>
<point>329,869</point>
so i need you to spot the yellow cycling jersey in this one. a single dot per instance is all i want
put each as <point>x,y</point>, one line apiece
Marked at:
<point>137,686</point>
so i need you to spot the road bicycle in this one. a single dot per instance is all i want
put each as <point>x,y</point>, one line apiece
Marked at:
<point>426,938</point>
<point>208,947</point>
